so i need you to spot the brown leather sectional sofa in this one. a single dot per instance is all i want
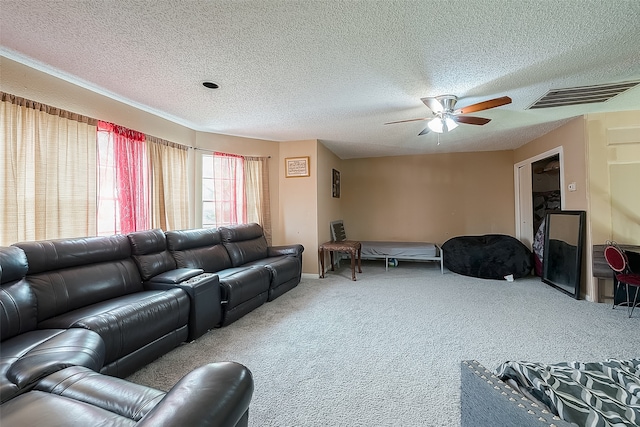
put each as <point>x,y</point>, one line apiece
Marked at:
<point>79,314</point>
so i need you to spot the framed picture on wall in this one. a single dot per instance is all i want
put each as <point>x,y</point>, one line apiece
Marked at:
<point>296,167</point>
<point>335,183</point>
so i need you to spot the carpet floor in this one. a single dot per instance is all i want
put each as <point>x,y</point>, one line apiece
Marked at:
<point>385,350</point>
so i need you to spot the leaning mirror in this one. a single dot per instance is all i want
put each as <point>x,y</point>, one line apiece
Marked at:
<point>562,257</point>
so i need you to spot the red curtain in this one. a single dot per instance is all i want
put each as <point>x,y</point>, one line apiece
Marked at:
<point>131,177</point>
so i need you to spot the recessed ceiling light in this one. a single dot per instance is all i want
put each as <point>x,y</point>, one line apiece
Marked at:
<point>210,85</point>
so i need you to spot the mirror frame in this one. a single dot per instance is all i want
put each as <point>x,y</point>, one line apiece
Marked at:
<point>573,266</point>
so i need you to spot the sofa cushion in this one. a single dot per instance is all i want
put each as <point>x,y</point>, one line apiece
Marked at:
<point>239,285</point>
<point>32,355</point>
<point>13,264</point>
<point>149,250</point>
<point>18,311</point>
<point>39,408</point>
<point>17,301</point>
<point>244,242</point>
<point>129,322</point>
<point>47,255</point>
<point>117,395</point>
<point>198,248</point>
<point>282,268</point>
<point>69,274</point>
<point>59,292</point>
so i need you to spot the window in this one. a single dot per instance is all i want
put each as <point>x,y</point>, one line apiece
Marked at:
<point>66,175</point>
<point>108,214</point>
<point>235,190</point>
<point>223,194</point>
<point>123,181</point>
<point>47,172</point>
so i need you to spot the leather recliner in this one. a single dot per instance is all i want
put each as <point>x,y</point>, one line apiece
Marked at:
<point>158,270</point>
<point>241,289</point>
<point>217,394</point>
<point>248,247</point>
<point>93,283</point>
<point>27,353</point>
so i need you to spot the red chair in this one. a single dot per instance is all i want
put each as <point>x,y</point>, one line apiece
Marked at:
<point>617,260</point>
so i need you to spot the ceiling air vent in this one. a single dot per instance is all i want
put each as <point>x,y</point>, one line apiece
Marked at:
<point>582,95</point>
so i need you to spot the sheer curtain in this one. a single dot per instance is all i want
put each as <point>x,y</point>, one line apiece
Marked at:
<point>227,190</point>
<point>123,198</point>
<point>169,187</point>
<point>256,174</point>
<point>48,170</point>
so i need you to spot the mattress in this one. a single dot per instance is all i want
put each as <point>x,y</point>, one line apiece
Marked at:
<point>408,251</point>
<point>402,250</point>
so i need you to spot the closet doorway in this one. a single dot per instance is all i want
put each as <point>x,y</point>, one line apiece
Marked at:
<point>537,190</point>
<point>546,197</point>
<point>545,187</point>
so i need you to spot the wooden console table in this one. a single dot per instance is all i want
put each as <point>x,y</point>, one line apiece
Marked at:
<point>351,246</point>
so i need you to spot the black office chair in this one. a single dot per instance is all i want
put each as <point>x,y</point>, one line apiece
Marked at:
<point>617,260</point>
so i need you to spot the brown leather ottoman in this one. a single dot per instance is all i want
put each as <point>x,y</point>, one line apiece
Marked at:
<point>351,246</point>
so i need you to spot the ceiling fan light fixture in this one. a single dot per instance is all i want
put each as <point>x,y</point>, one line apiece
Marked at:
<point>450,123</point>
<point>436,125</point>
<point>442,123</point>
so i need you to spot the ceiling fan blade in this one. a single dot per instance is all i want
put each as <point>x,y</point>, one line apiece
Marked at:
<point>410,120</point>
<point>434,104</point>
<point>424,131</point>
<point>484,105</point>
<point>471,120</point>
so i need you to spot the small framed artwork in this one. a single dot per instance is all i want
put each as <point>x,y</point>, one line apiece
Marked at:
<point>296,167</point>
<point>335,183</point>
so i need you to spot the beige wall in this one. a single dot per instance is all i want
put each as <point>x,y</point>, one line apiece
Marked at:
<point>298,208</point>
<point>571,137</point>
<point>428,197</point>
<point>614,161</point>
<point>329,207</point>
<point>614,178</point>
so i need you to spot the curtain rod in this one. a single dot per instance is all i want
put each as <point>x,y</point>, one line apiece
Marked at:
<point>211,151</point>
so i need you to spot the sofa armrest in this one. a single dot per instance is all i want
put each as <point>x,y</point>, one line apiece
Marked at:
<point>203,289</point>
<point>177,275</point>
<point>116,395</point>
<point>485,400</point>
<point>217,394</point>
<point>295,250</point>
<point>39,353</point>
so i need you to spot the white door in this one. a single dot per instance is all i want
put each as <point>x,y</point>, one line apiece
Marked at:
<point>524,205</point>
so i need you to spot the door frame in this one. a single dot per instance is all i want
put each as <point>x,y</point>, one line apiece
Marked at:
<point>523,197</point>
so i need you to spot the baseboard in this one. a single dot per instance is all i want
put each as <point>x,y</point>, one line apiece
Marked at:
<point>310,276</point>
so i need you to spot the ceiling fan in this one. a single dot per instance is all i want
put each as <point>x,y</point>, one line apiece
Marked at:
<point>445,118</point>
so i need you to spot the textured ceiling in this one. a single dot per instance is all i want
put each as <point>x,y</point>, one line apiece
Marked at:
<point>334,70</point>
